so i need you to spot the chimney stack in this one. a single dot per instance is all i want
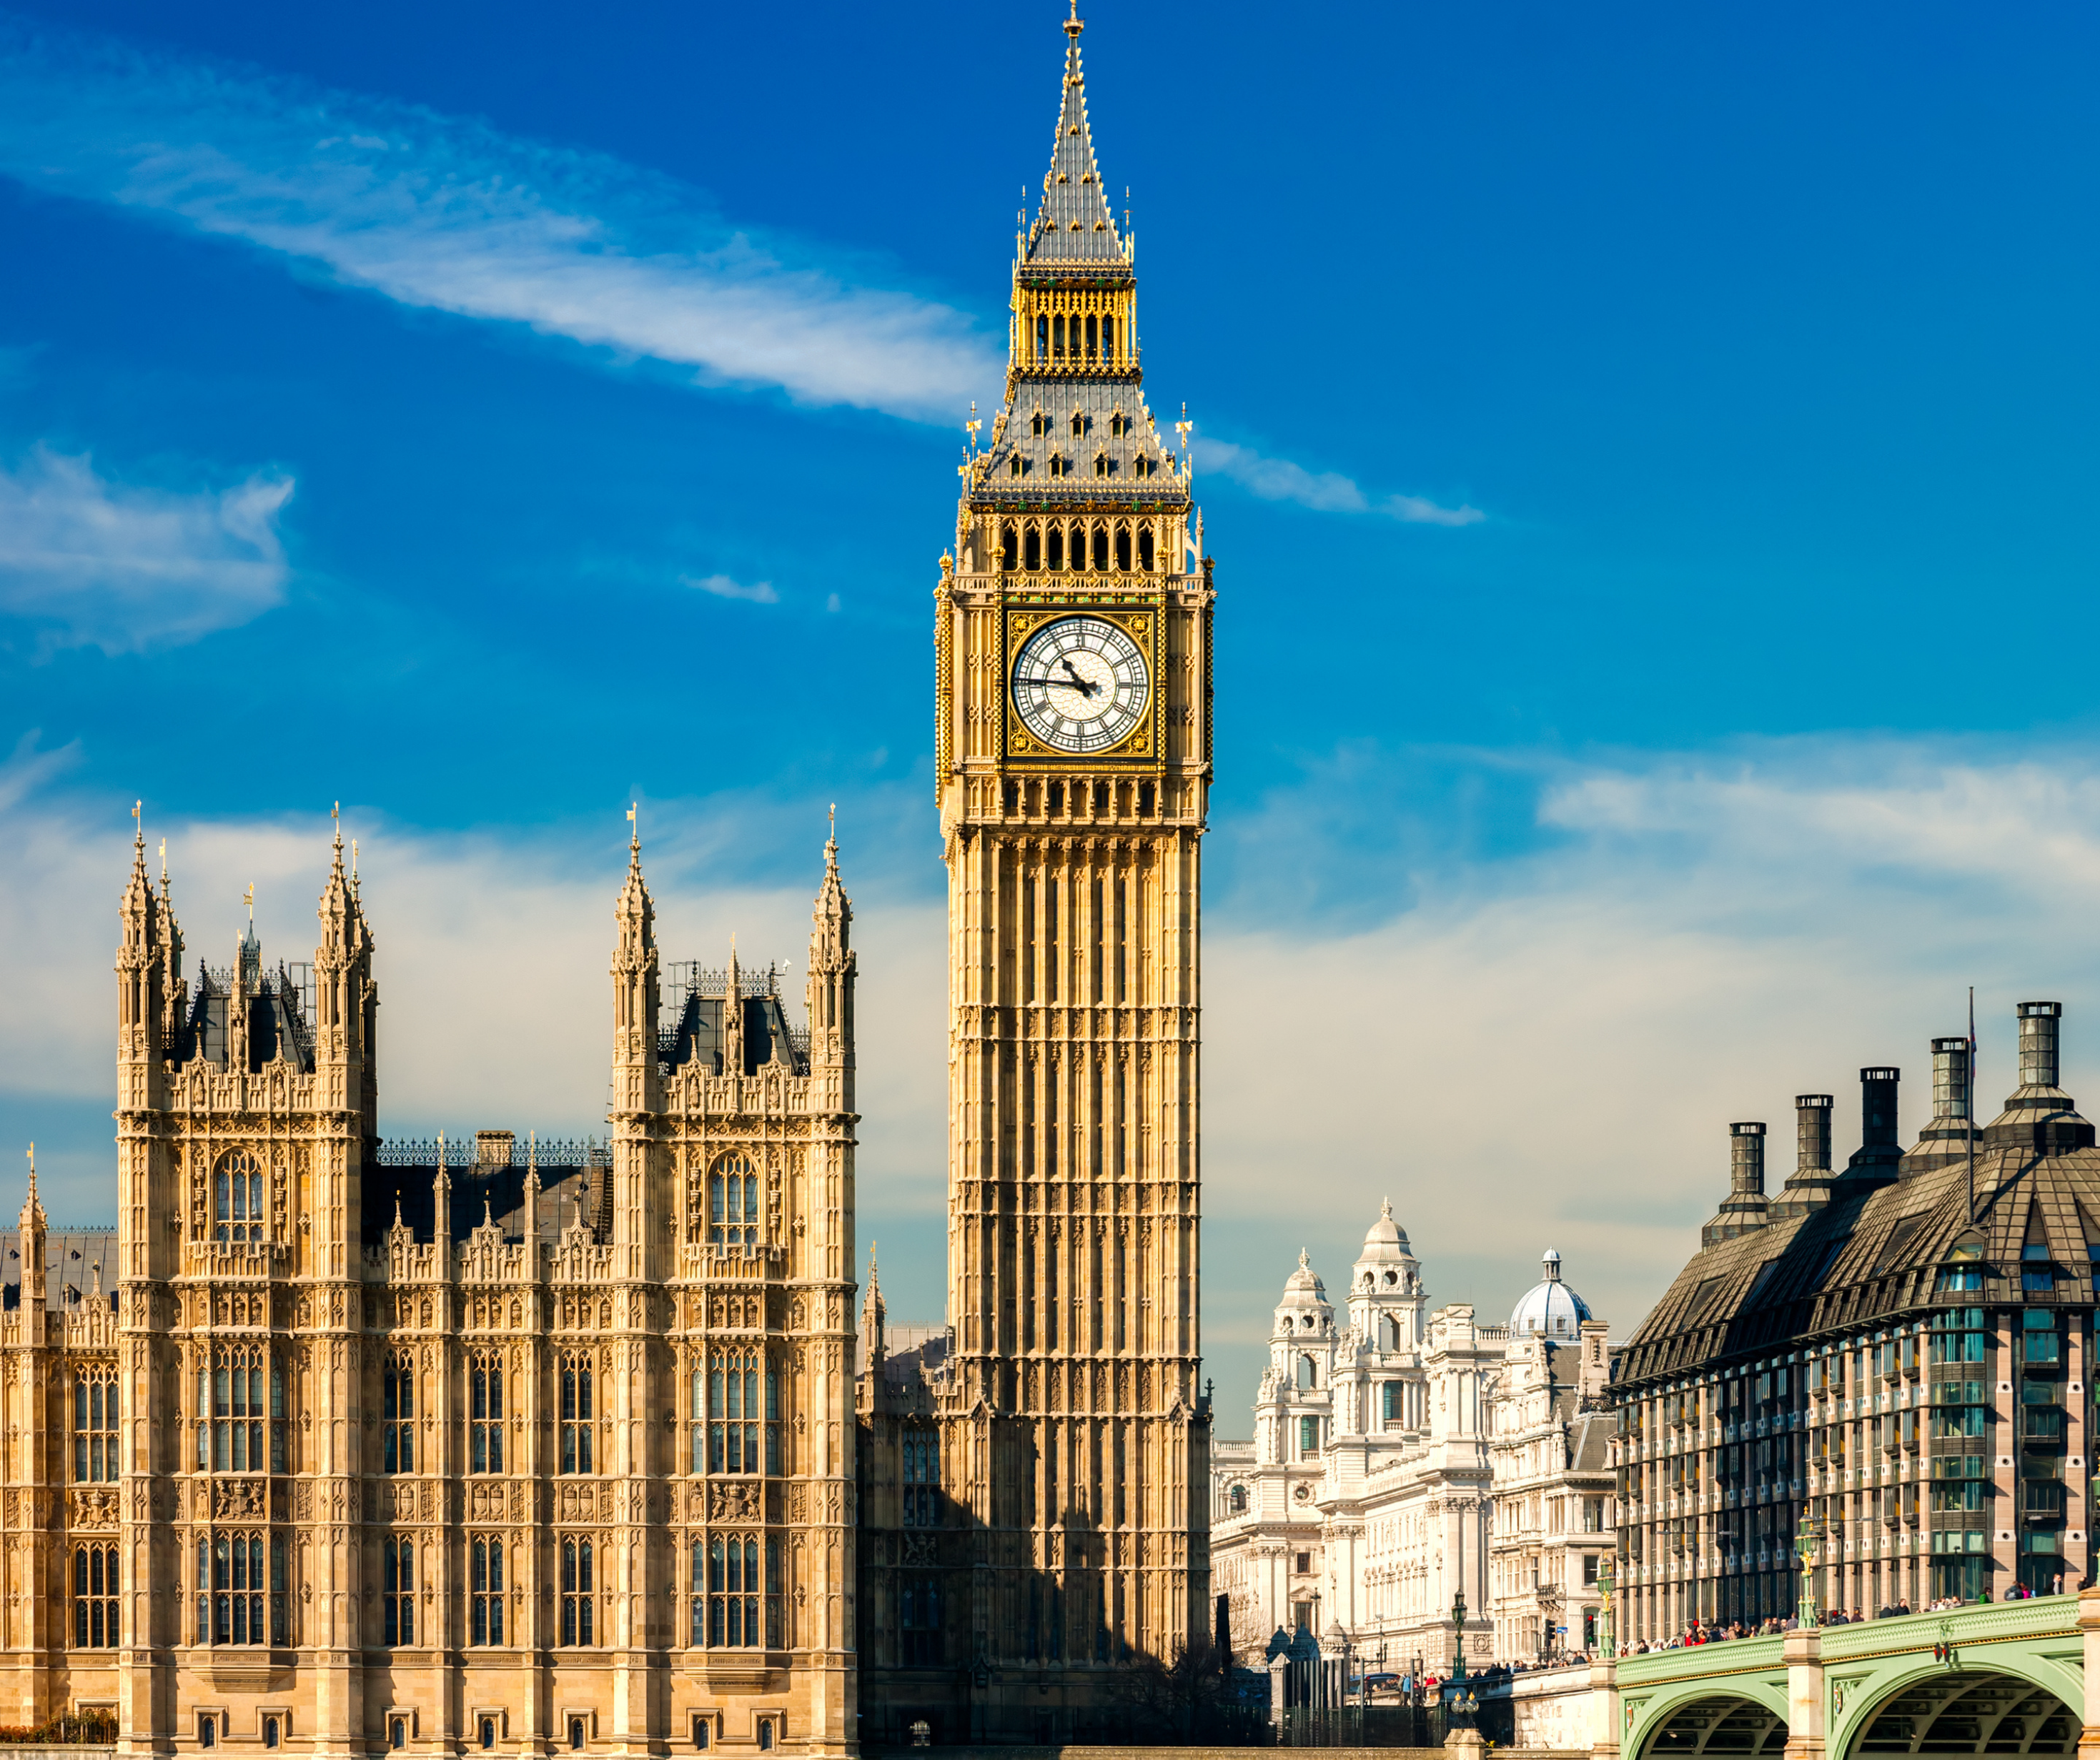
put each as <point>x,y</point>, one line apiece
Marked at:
<point>1945,1139</point>
<point>1879,1156</point>
<point>1745,1209</point>
<point>2040,1118</point>
<point>2038,1030</point>
<point>1809,1187</point>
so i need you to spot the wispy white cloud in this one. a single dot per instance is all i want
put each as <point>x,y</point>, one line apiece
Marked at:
<point>492,962</point>
<point>1547,1049</point>
<point>722,586</point>
<point>1276,479</point>
<point>446,214</point>
<point>92,563</point>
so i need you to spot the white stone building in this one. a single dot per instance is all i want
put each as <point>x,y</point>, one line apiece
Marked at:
<point>1548,1451</point>
<point>1386,1438</point>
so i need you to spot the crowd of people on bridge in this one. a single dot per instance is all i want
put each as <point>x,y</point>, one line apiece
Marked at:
<point>1705,1632</point>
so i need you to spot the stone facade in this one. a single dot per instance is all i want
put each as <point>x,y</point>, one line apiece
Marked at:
<point>1035,1503</point>
<point>504,1448</point>
<point>1405,1456</point>
<point>1363,1507</point>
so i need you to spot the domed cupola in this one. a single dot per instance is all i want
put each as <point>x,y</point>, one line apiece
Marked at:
<point>1550,1309</point>
<point>1305,1308</point>
<point>1386,1265</point>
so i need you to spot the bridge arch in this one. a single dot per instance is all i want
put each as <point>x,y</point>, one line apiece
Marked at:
<point>2013,1703</point>
<point>1739,1712</point>
<point>1720,1723</point>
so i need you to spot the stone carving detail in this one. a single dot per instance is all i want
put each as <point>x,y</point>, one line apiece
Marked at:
<point>92,1509</point>
<point>733,1502</point>
<point>238,1497</point>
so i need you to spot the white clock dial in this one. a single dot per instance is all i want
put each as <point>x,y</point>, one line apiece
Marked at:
<point>1080,684</point>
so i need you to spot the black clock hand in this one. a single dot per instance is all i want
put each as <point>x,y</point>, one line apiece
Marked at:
<point>1070,683</point>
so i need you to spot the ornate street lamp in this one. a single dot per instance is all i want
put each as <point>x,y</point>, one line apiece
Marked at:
<point>1605,1633</point>
<point>1806,1540</point>
<point>1458,1620</point>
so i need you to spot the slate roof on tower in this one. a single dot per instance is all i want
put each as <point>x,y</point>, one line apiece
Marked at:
<point>1073,227</point>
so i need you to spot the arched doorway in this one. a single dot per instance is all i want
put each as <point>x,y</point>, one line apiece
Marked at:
<point>1718,1726</point>
<point>1966,1711</point>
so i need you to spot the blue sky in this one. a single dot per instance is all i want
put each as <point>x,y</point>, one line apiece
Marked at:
<point>1648,454</point>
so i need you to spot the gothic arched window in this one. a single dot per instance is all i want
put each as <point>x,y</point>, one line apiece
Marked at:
<point>1009,554</point>
<point>95,1598</point>
<point>1054,556</point>
<point>93,1426</point>
<point>233,1406</point>
<point>397,1591</point>
<point>743,1414</point>
<point>1308,1372</point>
<point>1122,548</point>
<point>397,1407</point>
<point>733,1202</point>
<point>485,1414</point>
<point>238,1197</point>
<point>1108,338</point>
<point>1031,551</point>
<point>1145,532</point>
<point>578,1598</point>
<point>486,1562</point>
<point>1101,537</point>
<point>577,1426</point>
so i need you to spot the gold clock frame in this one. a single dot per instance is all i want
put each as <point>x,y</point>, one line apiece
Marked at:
<point>1141,749</point>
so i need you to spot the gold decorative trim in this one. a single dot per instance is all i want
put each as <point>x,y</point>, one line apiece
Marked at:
<point>1140,749</point>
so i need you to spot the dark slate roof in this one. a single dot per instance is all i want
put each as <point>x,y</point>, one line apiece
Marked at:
<point>1073,226</point>
<point>70,1256</point>
<point>1096,401</point>
<point>1589,1451</point>
<point>481,1189</point>
<point>1872,1255</point>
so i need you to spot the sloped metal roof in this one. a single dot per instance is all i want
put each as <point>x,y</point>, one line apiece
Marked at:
<point>1073,225</point>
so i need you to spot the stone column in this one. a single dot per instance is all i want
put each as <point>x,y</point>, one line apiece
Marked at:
<point>1605,1721</point>
<point>1803,1650</point>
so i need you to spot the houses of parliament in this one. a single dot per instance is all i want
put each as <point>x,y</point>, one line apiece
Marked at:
<point>340,1444</point>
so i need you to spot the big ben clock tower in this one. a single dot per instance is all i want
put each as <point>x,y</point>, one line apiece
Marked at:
<point>1073,712</point>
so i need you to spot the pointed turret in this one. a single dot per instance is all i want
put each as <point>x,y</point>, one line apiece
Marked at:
<point>174,992</point>
<point>1073,223</point>
<point>141,991</point>
<point>635,994</point>
<point>345,1031</point>
<point>32,1225</point>
<point>732,1053</point>
<point>829,994</point>
<point>873,1315</point>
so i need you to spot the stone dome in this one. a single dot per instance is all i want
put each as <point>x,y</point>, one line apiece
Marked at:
<point>1304,1303</point>
<point>1387,1240</point>
<point>1549,1309</point>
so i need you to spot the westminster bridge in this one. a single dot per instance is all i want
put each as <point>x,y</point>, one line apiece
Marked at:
<point>1996,1678</point>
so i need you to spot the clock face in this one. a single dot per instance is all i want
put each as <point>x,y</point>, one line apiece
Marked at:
<point>1080,684</point>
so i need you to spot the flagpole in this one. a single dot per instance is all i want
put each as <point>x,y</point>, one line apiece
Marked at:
<point>1972,1106</point>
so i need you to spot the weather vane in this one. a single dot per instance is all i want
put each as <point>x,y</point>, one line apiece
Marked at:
<point>250,896</point>
<point>973,424</point>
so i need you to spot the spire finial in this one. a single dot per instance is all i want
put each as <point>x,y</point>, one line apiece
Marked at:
<point>1385,1210</point>
<point>250,897</point>
<point>1075,24</point>
<point>164,864</point>
<point>634,833</point>
<point>33,1172</point>
<point>335,812</point>
<point>138,826</point>
<point>353,865</point>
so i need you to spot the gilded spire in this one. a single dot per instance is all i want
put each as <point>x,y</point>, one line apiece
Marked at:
<point>1074,225</point>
